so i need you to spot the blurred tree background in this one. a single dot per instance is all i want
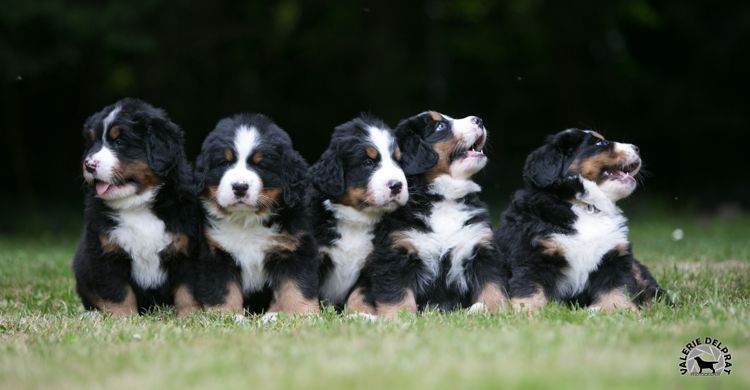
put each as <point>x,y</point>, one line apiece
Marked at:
<point>670,76</point>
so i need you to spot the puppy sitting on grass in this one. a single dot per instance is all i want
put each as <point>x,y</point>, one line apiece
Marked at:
<point>256,249</point>
<point>563,235</point>
<point>138,221</point>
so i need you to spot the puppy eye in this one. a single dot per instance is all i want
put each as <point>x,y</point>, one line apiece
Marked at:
<point>600,142</point>
<point>440,126</point>
<point>117,142</point>
<point>369,162</point>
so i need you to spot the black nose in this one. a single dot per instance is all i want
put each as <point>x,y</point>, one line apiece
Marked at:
<point>90,166</point>
<point>395,186</point>
<point>477,121</point>
<point>240,189</point>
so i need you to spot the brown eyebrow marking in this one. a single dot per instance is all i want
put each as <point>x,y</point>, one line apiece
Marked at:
<point>257,157</point>
<point>397,154</point>
<point>114,132</point>
<point>436,116</point>
<point>596,134</point>
<point>371,152</point>
<point>229,154</point>
<point>92,135</point>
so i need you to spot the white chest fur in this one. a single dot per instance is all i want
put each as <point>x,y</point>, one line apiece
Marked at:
<point>247,241</point>
<point>143,236</point>
<point>596,233</point>
<point>348,253</point>
<point>449,234</point>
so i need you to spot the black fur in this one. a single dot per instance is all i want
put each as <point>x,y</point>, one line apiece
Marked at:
<point>544,208</point>
<point>146,135</point>
<point>282,168</point>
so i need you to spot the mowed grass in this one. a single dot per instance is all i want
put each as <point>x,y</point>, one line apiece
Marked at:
<point>46,343</point>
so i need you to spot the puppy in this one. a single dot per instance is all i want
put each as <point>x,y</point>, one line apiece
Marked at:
<point>357,180</point>
<point>256,250</point>
<point>563,235</point>
<point>437,250</point>
<point>139,210</point>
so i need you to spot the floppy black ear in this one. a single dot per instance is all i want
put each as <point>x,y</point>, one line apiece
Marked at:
<point>417,156</point>
<point>163,145</point>
<point>200,172</point>
<point>296,178</point>
<point>328,174</point>
<point>545,166</point>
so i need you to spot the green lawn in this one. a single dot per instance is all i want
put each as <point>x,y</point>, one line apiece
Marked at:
<point>44,342</point>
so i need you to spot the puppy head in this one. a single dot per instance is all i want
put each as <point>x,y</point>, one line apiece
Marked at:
<point>574,155</point>
<point>361,167</point>
<point>436,144</point>
<point>131,149</point>
<point>247,166</point>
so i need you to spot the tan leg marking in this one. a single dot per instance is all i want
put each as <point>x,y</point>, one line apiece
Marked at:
<point>613,300</point>
<point>390,310</point>
<point>108,245</point>
<point>289,299</point>
<point>492,298</point>
<point>233,301</point>
<point>127,307</point>
<point>356,303</point>
<point>184,302</point>
<point>180,243</point>
<point>531,303</point>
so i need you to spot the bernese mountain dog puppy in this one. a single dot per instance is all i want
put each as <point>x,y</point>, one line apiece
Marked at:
<point>139,210</point>
<point>564,236</point>
<point>257,250</point>
<point>437,250</point>
<point>357,180</point>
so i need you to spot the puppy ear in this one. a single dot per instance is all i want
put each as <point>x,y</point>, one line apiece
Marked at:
<point>200,172</point>
<point>163,145</point>
<point>545,166</point>
<point>417,156</point>
<point>296,178</point>
<point>328,174</point>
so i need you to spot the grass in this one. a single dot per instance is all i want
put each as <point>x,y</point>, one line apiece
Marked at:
<point>45,342</point>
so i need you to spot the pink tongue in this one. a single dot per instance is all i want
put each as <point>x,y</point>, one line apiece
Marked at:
<point>101,187</point>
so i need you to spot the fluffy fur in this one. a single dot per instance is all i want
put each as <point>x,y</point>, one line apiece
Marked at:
<point>139,220</point>
<point>564,236</point>
<point>437,251</point>
<point>357,180</point>
<point>256,249</point>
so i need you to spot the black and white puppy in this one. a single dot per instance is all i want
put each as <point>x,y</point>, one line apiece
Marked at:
<point>563,235</point>
<point>437,251</point>
<point>139,217</point>
<point>257,249</point>
<point>357,180</point>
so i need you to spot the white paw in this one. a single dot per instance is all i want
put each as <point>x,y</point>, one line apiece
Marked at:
<point>239,319</point>
<point>478,308</point>
<point>594,309</point>
<point>363,316</point>
<point>269,317</point>
<point>91,315</point>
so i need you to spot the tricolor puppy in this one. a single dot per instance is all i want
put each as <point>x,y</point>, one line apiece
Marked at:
<point>257,250</point>
<point>437,251</point>
<point>139,217</point>
<point>563,235</point>
<point>357,180</point>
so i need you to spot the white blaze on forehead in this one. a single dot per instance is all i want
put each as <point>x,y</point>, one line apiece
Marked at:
<point>246,139</point>
<point>387,169</point>
<point>108,121</point>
